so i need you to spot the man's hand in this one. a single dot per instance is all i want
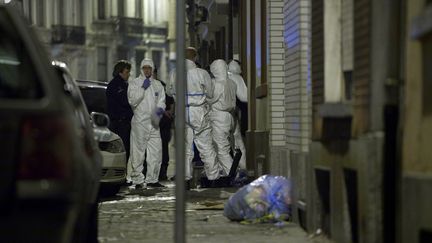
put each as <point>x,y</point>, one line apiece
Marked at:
<point>146,83</point>
<point>169,114</point>
<point>170,111</point>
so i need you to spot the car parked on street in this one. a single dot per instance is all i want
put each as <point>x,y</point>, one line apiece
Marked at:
<point>113,173</point>
<point>110,144</point>
<point>49,170</point>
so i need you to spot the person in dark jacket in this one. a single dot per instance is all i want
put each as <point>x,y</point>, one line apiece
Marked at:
<point>119,110</point>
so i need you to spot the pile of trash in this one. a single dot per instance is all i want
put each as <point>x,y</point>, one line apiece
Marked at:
<point>267,198</point>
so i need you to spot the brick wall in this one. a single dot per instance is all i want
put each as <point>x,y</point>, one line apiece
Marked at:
<point>276,72</point>
<point>297,79</point>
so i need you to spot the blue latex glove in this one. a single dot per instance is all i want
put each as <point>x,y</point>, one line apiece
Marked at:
<point>146,83</point>
<point>157,116</point>
<point>160,112</point>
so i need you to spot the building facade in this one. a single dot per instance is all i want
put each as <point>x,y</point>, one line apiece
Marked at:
<point>338,102</point>
<point>90,36</point>
<point>338,94</point>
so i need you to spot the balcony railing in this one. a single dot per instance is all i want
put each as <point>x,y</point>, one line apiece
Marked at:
<point>129,26</point>
<point>67,34</point>
<point>151,30</point>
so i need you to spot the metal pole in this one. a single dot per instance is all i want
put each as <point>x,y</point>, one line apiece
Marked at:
<point>180,123</point>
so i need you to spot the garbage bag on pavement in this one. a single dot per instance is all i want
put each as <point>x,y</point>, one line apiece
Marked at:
<point>266,197</point>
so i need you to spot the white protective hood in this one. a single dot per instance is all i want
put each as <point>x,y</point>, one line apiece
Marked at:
<point>146,62</point>
<point>219,69</point>
<point>225,89</point>
<point>234,71</point>
<point>234,67</point>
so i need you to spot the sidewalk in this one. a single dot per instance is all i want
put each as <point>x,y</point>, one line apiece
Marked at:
<point>148,216</point>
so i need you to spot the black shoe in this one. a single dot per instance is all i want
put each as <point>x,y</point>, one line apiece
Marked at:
<point>187,185</point>
<point>172,178</point>
<point>163,178</point>
<point>140,186</point>
<point>155,185</point>
<point>235,164</point>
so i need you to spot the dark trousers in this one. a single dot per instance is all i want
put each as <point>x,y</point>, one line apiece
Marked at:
<point>123,129</point>
<point>165,137</point>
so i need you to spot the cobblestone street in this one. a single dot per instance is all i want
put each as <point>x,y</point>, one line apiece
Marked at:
<point>148,216</point>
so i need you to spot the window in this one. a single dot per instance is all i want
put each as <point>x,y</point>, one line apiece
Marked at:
<point>122,52</point>
<point>157,58</point>
<point>139,55</point>
<point>121,8</point>
<point>101,9</point>
<point>81,13</point>
<point>138,8</point>
<point>82,67</point>
<point>40,12</point>
<point>348,84</point>
<point>102,56</point>
<point>60,13</point>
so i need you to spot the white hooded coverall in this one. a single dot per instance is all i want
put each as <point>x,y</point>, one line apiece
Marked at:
<point>144,136</point>
<point>234,71</point>
<point>198,130</point>
<point>222,106</point>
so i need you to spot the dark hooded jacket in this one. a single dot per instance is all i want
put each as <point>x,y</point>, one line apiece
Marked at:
<point>117,101</point>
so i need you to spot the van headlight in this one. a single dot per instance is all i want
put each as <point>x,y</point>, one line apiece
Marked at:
<point>115,146</point>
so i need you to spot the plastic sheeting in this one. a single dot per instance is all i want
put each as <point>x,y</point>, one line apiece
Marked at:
<point>267,197</point>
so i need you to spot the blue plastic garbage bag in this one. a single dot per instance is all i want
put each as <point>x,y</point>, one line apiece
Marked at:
<point>268,196</point>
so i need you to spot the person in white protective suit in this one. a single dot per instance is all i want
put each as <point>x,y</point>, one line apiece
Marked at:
<point>198,129</point>
<point>146,96</point>
<point>222,106</point>
<point>234,71</point>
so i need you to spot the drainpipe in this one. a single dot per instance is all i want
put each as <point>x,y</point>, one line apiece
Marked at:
<point>179,230</point>
<point>230,30</point>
